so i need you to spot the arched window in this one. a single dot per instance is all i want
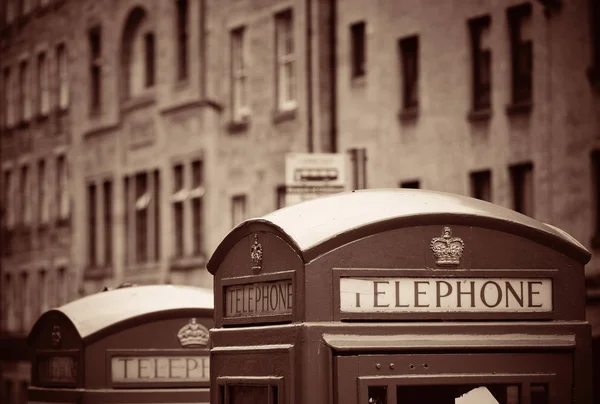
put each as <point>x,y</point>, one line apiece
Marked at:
<point>137,54</point>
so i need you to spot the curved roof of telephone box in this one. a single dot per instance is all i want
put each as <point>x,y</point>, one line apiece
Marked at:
<point>320,225</point>
<point>97,314</point>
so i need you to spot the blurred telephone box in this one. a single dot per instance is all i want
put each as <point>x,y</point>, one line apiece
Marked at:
<point>399,296</point>
<point>141,344</point>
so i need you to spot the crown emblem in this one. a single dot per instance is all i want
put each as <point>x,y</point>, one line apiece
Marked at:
<point>447,249</point>
<point>256,255</point>
<point>193,334</point>
<point>56,336</point>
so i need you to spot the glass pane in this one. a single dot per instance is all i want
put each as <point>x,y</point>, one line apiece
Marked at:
<point>377,395</point>
<point>539,394</point>
<point>248,394</point>
<point>459,394</point>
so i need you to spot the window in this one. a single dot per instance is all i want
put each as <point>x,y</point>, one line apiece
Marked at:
<point>239,75</point>
<point>150,71</point>
<point>596,177</point>
<point>521,176</point>
<point>95,44</point>
<point>137,54</point>
<point>8,198</point>
<point>179,197</point>
<point>24,91</point>
<point>63,205</point>
<point>595,18</point>
<point>358,158</point>
<point>142,204</point>
<point>62,77</point>
<point>9,302</point>
<point>481,185</point>
<point>42,292</point>
<point>238,209</point>
<point>43,86</point>
<point>182,39</point>
<point>412,184</point>
<point>108,222</point>
<point>24,199</point>
<point>61,287</point>
<point>8,98</point>
<point>7,389</point>
<point>41,197</point>
<point>92,226</point>
<point>25,301</point>
<point>196,196</point>
<point>481,61</point>
<point>358,49</point>
<point>409,55</point>
<point>521,49</point>
<point>285,56</point>
<point>142,217</point>
<point>280,195</point>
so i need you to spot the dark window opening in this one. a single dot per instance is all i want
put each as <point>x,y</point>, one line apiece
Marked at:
<point>108,223</point>
<point>179,198</point>
<point>95,43</point>
<point>280,196</point>
<point>481,58</point>
<point>141,217</point>
<point>409,54</point>
<point>521,176</point>
<point>182,39</point>
<point>358,158</point>
<point>126,195</point>
<point>92,226</point>
<point>238,209</point>
<point>156,230</point>
<point>481,185</point>
<point>198,206</point>
<point>521,50</point>
<point>150,59</point>
<point>358,51</point>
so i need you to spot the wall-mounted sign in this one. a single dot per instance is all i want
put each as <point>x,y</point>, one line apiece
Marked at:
<point>153,369</point>
<point>57,369</point>
<point>439,295</point>
<point>259,299</point>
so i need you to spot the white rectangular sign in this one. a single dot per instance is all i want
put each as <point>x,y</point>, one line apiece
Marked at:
<point>313,169</point>
<point>153,369</point>
<point>259,299</point>
<point>445,295</point>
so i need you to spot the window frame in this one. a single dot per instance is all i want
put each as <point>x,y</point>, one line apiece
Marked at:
<point>286,87</point>
<point>240,104</point>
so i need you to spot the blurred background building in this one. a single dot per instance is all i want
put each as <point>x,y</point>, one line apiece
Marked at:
<point>135,134</point>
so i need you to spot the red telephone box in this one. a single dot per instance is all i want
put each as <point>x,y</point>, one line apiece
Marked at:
<point>399,296</point>
<point>140,344</point>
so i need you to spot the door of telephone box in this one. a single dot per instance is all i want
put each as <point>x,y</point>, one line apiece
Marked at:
<point>523,378</point>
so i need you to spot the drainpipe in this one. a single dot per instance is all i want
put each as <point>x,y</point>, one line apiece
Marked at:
<point>309,77</point>
<point>333,73</point>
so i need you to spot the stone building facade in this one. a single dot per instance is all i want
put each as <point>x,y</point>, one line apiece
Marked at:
<point>160,125</point>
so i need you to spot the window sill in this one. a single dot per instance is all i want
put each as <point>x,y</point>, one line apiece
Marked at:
<point>63,222</point>
<point>478,115</point>
<point>187,263</point>
<point>240,126</point>
<point>137,102</point>
<point>181,84</point>
<point>41,117</point>
<point>358,81</point>
<point>24,124</point>
<point>522,107</point>
<point>284,115</point>
<point>408,114</point>
<point>96,272</point>
<point>593,74</point>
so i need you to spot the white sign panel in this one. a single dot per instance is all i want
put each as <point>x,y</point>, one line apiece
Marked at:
<point>153,369</point>
<point>313,169</point>
<point>445,295</point>
<point>259,299</point>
